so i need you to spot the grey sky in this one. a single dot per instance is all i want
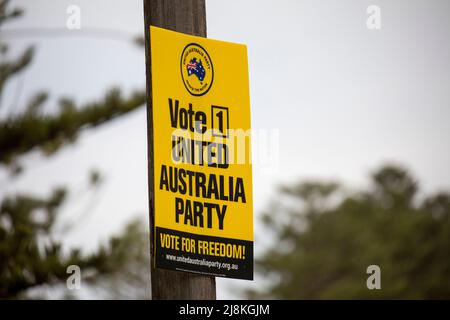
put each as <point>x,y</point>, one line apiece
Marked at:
<point>345,98</point>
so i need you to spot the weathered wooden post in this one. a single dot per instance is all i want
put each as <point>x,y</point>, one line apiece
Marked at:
<point>187,16</point>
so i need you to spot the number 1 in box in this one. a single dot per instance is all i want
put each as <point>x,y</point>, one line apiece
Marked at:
<point>220,121</point>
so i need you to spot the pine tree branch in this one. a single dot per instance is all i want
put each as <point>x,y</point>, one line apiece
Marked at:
<point>10,68</point>
<point>20,134</point>
<point>5,14</point>
<point>25,262</point>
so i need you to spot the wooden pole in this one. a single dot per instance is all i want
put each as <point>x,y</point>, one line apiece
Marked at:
<point>187,16</point>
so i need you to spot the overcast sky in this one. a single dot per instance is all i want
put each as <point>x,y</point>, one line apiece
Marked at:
<point>343,98</point>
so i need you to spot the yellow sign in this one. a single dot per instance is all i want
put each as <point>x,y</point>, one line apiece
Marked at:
<point>201,145</point>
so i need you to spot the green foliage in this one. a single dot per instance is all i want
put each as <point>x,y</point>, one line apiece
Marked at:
<point>31,129</point>
<point>325,239</point>
<point>30,257</point>
<point>6,14</point>
<point>128,276</point>
<point>9,68</point>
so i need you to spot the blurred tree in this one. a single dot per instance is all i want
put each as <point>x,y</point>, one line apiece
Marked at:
<point>324,239</point>
<point>29,255</point>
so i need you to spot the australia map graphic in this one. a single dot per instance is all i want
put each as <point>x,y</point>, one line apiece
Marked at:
<point>195,67</point>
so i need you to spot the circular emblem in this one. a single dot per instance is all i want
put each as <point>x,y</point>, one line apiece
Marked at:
<point>197,70</point>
